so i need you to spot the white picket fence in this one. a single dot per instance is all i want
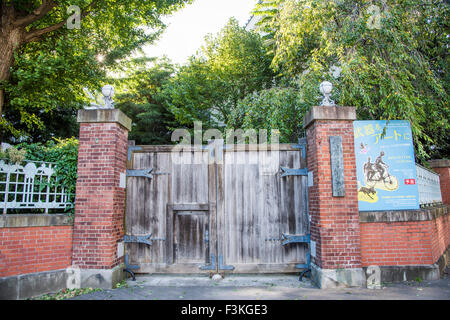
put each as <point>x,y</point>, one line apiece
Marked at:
<point>31,186</point>
<point>429,186</point>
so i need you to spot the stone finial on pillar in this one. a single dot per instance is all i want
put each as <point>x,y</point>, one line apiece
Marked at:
<point>100,197</point>
<point>333,197</point>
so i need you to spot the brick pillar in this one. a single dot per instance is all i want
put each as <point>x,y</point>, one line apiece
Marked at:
<point>100,197</point>
<point>442,167</point>
<point>333,198</point>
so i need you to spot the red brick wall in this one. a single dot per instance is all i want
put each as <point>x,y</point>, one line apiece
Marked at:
<point>34,249</point>
<point>404,243</point>
<point>334,220</point>
<point>440,236</point>
<point>99,212</point>
<point>444,176</point>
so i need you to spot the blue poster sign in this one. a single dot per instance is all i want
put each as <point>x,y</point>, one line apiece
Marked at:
<point>386,167</point>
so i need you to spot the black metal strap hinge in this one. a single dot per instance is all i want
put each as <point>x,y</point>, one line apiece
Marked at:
<point>141,239</point>
<point>288,239</point>
<point>146,173</point>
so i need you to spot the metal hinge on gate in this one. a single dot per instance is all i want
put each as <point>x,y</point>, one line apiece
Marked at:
<point>137,239</point>
<point>301,145</point>
<point>129,268</point>
<point>289,238</point>
<point>141,239</point>
<point>146,173</point>
<point>293,172</point>
<point>296,172</point>
<point>131,149</point>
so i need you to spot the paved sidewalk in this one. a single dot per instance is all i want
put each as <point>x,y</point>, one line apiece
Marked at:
<point>285,287</point>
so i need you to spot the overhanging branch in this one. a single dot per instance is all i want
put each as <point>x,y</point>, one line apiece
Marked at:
<point>36,34</point>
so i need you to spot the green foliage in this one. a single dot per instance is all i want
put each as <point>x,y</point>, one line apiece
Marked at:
<point>121,284</point>
<point>62,152</point>
<point>231,65</point>
<point>163,97</point>
<point>190,95</point>
<point>50,73</point>
<point>267,12</point>
<point>144,102</point>
<point>67,294</point>
<point>276,108</point>
<point>396,71</point>
<point>46,88</point>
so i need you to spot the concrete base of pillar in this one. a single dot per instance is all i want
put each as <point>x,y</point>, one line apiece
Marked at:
<point>337,278</point>
<point>392,274</point>
<point>101,278</point>
<point>33,284</point>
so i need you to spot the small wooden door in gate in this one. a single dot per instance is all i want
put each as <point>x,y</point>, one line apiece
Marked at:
<point>216,211</point>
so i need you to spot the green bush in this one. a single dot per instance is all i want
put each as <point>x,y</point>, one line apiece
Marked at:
<point>13,155</point>
<point>276,108</point>
<point>62,152</point>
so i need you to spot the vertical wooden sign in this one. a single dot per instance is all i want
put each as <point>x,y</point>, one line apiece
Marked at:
<point>337,166</point>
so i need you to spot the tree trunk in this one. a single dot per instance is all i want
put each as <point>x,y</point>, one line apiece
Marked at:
<point>10,40</point>
<point>13,34</point>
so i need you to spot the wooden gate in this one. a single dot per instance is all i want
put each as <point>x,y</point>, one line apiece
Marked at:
<point>217,208</point>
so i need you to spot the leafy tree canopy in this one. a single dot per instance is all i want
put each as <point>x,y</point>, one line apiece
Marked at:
<point>389,59</point>
<point>144,102</point>
<point>229,66</point>
<point>44,65</point>
<point>276,108</point>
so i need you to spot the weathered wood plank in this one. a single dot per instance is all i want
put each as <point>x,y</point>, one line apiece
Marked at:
<point>189,234</point>
<point>227,148</point>
<point>219,246</point>
<point>169,257</point>
<point>212,196</point>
